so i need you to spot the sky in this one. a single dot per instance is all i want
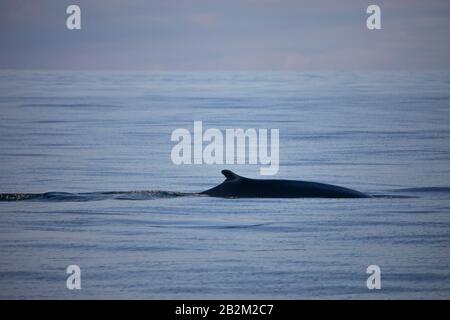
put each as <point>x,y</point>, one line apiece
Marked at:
<point>224,35</point>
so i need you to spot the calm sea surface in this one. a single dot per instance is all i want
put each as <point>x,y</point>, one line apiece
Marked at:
<point>78,135</point>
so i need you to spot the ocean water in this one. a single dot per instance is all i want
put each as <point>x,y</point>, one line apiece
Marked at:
<point>94,150</point>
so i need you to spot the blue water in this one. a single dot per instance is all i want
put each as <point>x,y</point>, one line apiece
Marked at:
<point>86,178</point>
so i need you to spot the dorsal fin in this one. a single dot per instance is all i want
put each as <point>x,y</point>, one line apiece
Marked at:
<point>230,175</point>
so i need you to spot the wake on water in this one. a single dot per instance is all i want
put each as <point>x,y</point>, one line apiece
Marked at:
<point>160,194</point>
<point>91,196</point>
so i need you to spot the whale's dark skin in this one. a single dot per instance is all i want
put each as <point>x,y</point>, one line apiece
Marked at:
<point>236,186</point>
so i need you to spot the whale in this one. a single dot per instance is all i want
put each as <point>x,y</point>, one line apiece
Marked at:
<point>236,186</point>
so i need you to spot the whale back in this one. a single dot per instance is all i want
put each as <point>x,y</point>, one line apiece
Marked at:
<point>236,186</point>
